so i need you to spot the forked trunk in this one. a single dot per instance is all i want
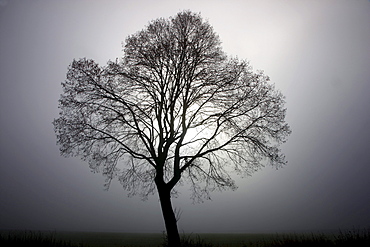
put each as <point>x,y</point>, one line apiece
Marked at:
<point>169,216</point>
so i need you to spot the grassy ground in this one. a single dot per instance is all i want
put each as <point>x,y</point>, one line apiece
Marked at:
<point>355,238</point>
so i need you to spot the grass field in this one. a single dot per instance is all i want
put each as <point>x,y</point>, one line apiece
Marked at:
<point>90,239</point>
<point>101,239</point>
<point>155,240</point>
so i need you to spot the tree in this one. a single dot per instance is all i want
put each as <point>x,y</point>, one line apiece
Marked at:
<point>174,109</point>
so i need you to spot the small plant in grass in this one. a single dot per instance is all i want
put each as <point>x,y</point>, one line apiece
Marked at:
<point>30,238</point>
<point>303,240</point>
<point>355,238</point>
<point>292,240</point>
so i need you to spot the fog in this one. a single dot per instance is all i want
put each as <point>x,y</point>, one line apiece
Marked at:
<point>317,54</point>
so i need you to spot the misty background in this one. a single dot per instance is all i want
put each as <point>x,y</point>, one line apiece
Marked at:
<point>316,52</point>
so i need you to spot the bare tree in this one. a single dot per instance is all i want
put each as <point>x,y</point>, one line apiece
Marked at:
<point>175,108</point>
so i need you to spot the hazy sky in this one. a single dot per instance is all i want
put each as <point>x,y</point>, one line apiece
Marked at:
<point>316,52</point>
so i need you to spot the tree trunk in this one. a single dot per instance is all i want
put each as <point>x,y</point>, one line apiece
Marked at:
<point>169,216</point>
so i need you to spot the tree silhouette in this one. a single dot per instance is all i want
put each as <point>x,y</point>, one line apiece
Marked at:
<point>174,109</point>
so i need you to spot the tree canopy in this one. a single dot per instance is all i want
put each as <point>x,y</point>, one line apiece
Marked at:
<point>175,108</point>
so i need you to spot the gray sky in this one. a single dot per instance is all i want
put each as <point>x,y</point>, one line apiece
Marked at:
<point>316,52</point>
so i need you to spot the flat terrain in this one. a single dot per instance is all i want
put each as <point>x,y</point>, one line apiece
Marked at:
<point>105,239</point>
<point>354,238</point>
<point>154,239</point>
<point>100,239</point>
